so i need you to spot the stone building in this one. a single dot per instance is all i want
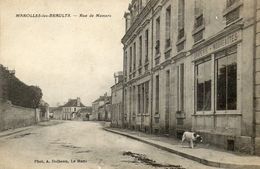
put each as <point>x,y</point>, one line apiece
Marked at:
<point>70,108</point>
<point>3,82</point>
<point>194,65</point>
<point>101,108</point>
<point>116,101</point>
<point>44,110</point>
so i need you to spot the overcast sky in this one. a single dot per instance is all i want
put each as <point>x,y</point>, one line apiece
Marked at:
<point>65,57</point>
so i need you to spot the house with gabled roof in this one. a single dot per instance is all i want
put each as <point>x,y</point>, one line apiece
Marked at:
<point>70,108</point>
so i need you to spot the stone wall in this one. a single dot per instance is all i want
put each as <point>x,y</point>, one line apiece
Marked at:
<point>12,116</point>
<point>257,81</point>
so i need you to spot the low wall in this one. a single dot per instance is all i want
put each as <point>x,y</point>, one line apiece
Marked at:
<point>12,116</point>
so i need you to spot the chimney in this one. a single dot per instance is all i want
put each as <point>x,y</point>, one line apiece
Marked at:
<point>78,101</point>
<point>127,21</point>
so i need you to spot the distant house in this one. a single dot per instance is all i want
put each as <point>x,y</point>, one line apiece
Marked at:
<point>70,109</point>
<point>101,108</point>
<point>117,114</point>
<point>44,110</point>
<point>56,113</point>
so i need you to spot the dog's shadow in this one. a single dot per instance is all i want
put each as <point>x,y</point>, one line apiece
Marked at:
<point>189,147</point>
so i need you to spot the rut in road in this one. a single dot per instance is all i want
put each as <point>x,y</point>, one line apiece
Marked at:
<point>142,158</point>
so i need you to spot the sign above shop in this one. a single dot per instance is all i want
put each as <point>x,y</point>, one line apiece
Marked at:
<point>219,44</point>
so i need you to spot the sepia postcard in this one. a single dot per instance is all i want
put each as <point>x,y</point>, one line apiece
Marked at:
<point>129,84</point>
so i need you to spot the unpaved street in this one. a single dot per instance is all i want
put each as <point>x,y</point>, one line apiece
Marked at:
<point>73,144</point>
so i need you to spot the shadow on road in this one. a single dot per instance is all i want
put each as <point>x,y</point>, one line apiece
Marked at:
<point>143,159</point>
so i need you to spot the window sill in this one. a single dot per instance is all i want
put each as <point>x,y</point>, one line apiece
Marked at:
<point>181,40</point>
<point>157,56</point>
<point>234,22</point>
<point>217,113</point>
<point>210,112</point>
<point>146,63</point>
<point>198,29</point>
<point>198,42</point>
<point>228,112</point>
<point>168,49</point>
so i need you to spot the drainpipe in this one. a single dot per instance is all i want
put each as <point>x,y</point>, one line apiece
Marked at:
<point>254,57</point>
<point>151,120</point>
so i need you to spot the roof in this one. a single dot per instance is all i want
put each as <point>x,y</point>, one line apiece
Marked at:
<point>101,98</point>
<point>53,109</point>
<point>73,103</point>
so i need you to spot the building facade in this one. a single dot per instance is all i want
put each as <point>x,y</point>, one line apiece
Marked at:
<point>193,65</point>
<point>101,108</point>
<point>116,101</point>
<point>44,110</point>
<point>70,109</point>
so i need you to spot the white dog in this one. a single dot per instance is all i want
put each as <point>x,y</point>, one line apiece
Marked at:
<point>191,137</point>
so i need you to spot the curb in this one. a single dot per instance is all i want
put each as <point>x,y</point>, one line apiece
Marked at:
<point>14,132</point>
<point>188,156</point>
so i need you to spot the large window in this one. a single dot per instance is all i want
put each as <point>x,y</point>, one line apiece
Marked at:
<point>146,44</point>
<point>157,45</point>
<point>131,60</point>
<point>232,16</point>
<point>140,50</point>
<point>226,79</point>
<point>134,52</point>
<point>199,21</point>
<point>125,63</point>
<point>181,13</point>
<point>168,28</point>
<point>203,86</point>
